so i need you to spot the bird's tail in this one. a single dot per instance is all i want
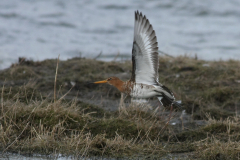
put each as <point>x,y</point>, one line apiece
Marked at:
<point>167,102</point>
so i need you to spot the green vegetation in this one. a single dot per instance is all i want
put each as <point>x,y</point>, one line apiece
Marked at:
<point>88,120</point>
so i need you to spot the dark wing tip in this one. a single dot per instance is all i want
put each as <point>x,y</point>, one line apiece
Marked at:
<point>138,15</point>
<point>144,17</point>
<point>150,28</point>
<point>167,102</point>
<point>167,89</point>
<point>176,104</point>
<point>154,45</point>
<point>156,51</point>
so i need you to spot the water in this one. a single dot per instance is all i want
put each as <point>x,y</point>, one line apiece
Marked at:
<point>44,29</point>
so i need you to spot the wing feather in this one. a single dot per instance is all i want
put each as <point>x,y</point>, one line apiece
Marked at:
<point>144,52</point>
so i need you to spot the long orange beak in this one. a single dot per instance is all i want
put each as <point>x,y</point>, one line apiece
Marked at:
<point>104,81</point>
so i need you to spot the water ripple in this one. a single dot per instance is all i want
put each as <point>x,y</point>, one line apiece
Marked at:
<point>45,29</point>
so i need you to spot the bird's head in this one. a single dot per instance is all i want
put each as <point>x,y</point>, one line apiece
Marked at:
<point>112,81</point>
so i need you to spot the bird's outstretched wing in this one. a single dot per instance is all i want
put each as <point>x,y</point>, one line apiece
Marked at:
<point>144,52</point>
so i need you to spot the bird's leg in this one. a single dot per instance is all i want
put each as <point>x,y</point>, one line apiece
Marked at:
<point>122,107</point>
<point>164,128</point>
<point>159,106</point>
<point>171,112</point>
<point>170,115</point>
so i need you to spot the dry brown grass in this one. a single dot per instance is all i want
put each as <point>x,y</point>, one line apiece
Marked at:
<point>224,143</point>
<point>64,127</point>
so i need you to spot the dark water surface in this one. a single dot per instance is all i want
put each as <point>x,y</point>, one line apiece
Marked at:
<point>44,29</point>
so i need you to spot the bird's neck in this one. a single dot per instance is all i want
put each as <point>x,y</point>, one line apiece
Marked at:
<point>119,85</point>
<point>124,87</point>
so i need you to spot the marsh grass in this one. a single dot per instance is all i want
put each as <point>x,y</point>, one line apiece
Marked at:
<point>73,120</point>
<point>223,140</point>
<point>48,127</point>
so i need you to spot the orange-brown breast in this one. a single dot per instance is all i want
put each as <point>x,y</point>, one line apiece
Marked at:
<point>124,87</point>
<point>128,86</point>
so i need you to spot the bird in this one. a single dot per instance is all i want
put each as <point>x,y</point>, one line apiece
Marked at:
<point>144,82</point>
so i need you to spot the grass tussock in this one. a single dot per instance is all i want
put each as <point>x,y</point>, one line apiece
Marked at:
<point>222,142</point>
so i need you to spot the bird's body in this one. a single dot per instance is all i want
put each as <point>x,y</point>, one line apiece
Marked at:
<point>144,81</point>
<point>143,91</point>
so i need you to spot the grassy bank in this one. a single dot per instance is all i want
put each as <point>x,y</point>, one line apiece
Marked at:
<point>85,119</point>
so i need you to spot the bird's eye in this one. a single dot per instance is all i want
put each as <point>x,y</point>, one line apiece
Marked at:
<point>109,79</point>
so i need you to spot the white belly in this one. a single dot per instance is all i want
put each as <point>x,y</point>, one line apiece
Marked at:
<point>143,91</point>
